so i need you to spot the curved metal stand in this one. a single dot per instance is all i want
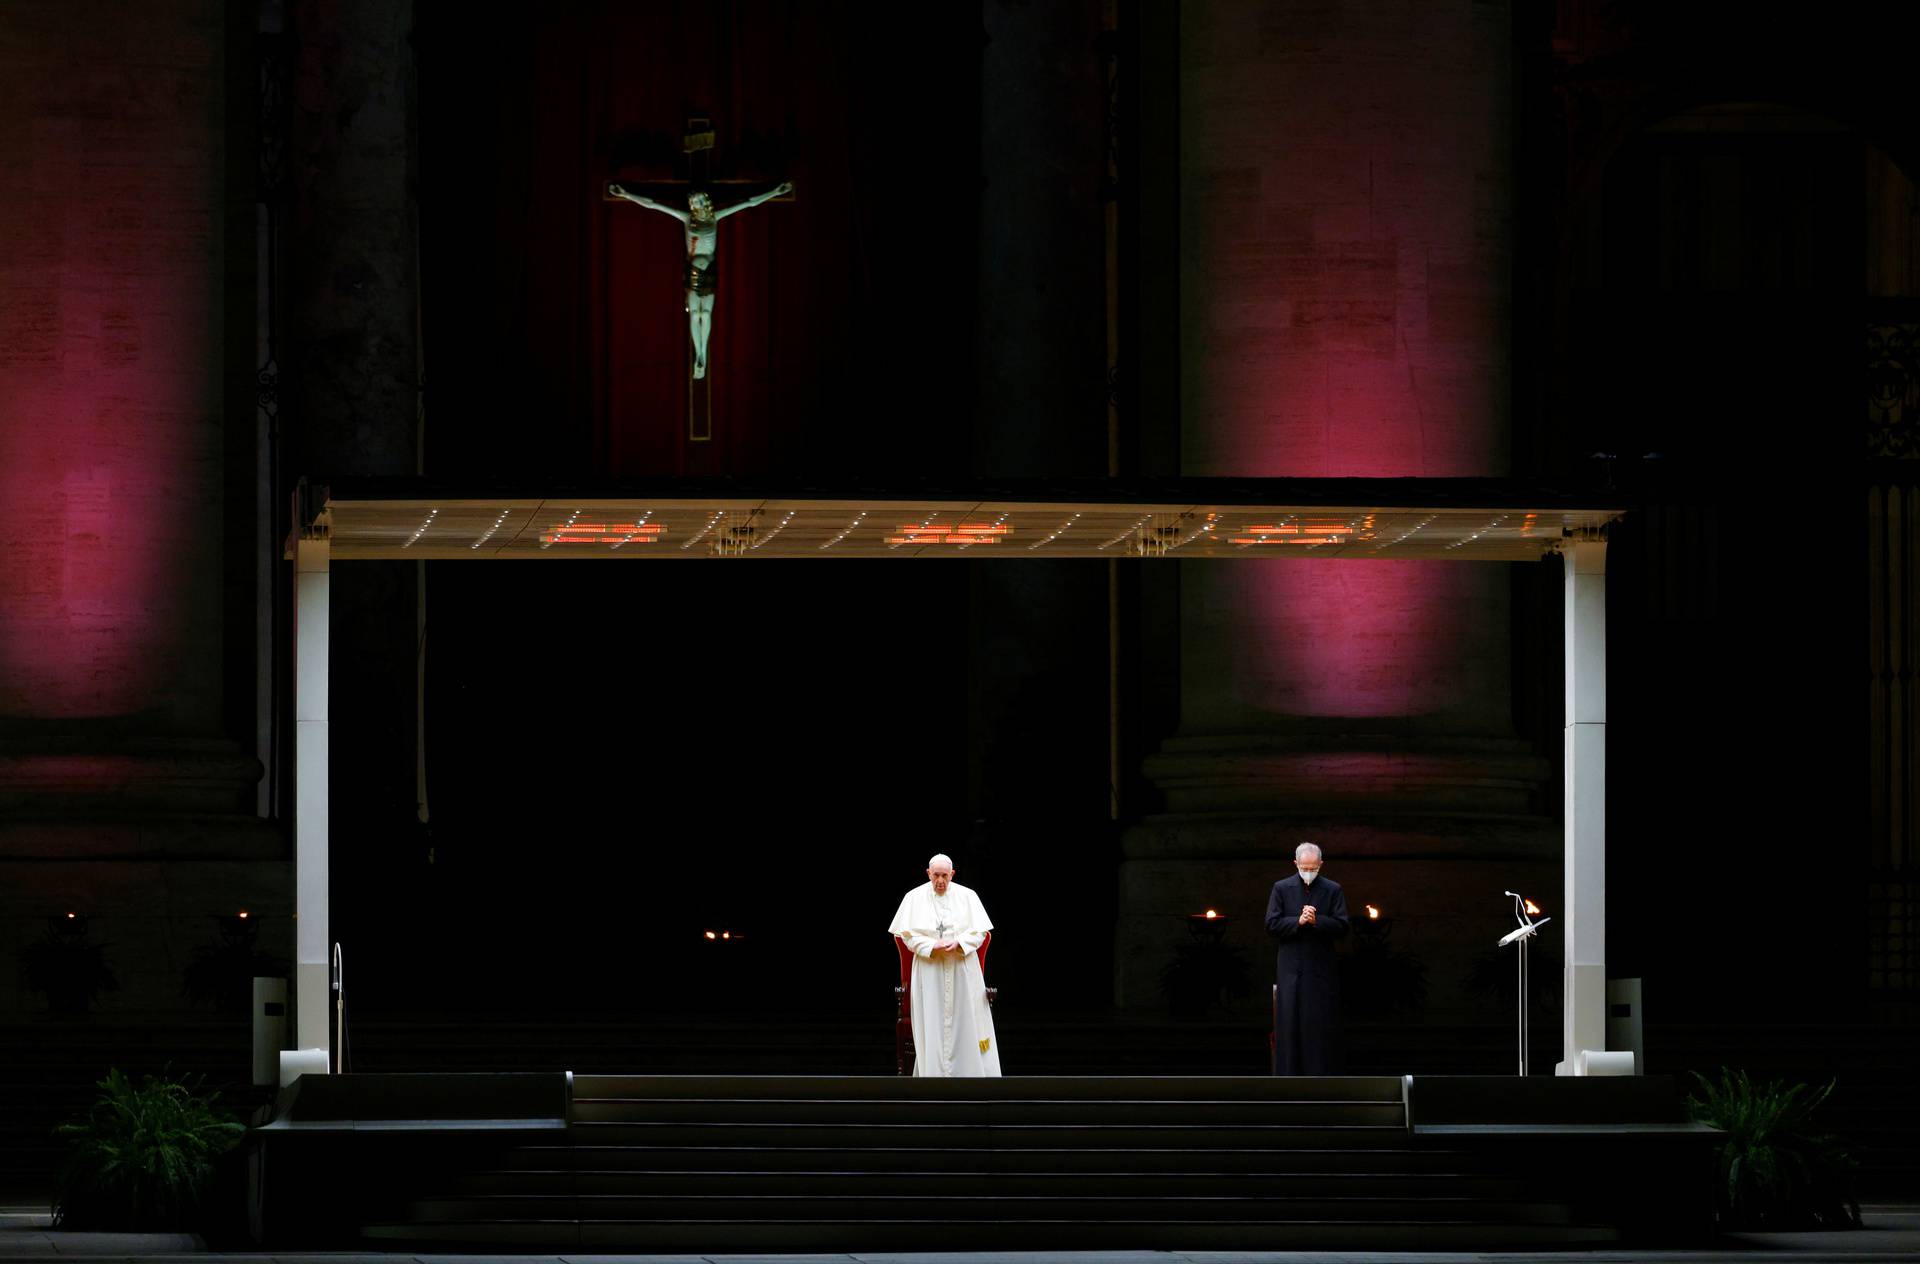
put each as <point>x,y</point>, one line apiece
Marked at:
<point>1522,936</point>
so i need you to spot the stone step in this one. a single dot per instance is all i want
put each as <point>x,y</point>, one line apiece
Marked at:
<point>731,1235</point>
<point>902,1113</point>
<point>865,1208</point>
<point>1289,1161</point>
<point>1105,1088</point>
<point>1189,1180</point>
<point>1114,1136</point>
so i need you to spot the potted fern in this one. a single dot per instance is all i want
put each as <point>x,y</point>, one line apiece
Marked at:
<point>142,1157</point>
<point>1776,1168</point>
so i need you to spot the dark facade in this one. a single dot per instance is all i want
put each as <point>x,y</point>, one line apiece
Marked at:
<point>1658,247</point>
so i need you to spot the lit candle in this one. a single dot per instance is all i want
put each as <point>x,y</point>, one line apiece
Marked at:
<point>1207,924</point>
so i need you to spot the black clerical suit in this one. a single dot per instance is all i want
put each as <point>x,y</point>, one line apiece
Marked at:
<point>1305,1037</point>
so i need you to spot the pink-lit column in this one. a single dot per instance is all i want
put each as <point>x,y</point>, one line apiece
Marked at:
<point>1346,185</point>
<point>110,368</point>
<point>127,764</point>
<point>1345,300</point>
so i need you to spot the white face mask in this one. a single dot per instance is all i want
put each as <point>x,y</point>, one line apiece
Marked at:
<point>1308,875</point>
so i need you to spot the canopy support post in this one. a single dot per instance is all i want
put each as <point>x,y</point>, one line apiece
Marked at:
<point>1584,915</point>
<point>312,982</point>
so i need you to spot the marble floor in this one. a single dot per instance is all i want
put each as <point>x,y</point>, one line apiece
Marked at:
<point>1892,1231</point>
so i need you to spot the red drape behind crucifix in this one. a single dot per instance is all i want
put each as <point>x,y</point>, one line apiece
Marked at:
<point>555,325</point>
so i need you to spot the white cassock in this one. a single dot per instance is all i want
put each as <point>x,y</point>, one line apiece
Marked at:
<point>952,1023</point>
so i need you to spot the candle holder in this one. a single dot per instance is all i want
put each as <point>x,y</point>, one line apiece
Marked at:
<point>1206,972</point>
<point>1378,977</point>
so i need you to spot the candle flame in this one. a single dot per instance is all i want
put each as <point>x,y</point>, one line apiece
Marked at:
<point>243,914</point>
<point>1373,912</point>
<point>1212,913</point>
<point>711,935</point>
<point>1533,910</point>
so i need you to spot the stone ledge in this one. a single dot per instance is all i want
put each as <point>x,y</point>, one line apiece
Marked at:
<point>77,777</point>
<point>143,837</point>
<point>1380,775</point>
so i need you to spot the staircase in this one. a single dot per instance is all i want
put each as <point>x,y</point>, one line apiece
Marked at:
<point>1875,1108</point>
<point>706,1163</point>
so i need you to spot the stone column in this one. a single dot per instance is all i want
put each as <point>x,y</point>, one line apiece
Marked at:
<point>352,326</point>
<point>1035,696</point>
<point>1346,180</point>
<point>126,788</point>
<point>352,408</point>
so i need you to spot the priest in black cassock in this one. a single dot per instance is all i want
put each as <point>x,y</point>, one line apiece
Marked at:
<point>1308,915</point>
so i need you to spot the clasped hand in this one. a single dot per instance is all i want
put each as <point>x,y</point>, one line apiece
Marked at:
<point>947,945</point>
<point>1308,916</point>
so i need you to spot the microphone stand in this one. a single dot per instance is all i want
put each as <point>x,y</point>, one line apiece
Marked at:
<point>1522,936</point>
<point>339,1013</point>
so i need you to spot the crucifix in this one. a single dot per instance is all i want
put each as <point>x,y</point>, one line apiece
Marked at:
<point>701,220</point>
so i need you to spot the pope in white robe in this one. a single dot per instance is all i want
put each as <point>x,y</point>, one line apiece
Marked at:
<point>944,924</point>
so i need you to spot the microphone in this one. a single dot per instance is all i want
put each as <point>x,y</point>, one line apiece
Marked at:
<point>1524,932</point>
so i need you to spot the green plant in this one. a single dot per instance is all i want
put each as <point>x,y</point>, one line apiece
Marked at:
<point>66,968</point>
<point>141,1157</point>
<point>1777,1170</point>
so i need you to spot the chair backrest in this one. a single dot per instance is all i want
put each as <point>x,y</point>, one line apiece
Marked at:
<point>906,958</point>
<point>906,961</point>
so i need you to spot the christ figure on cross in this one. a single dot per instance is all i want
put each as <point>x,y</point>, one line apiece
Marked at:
<point>703,240</point>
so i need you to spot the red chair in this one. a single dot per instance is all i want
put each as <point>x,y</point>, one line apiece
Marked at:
<point>903,999</point>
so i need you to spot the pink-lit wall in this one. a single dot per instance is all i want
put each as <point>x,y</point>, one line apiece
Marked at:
<point>1344,299</point>
<point>122,797</point>
<point>110,363</point>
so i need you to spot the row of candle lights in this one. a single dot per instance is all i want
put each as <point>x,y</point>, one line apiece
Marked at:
<point>1215,918</point>
<point>1373,914</point>
<point>242,915</point>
